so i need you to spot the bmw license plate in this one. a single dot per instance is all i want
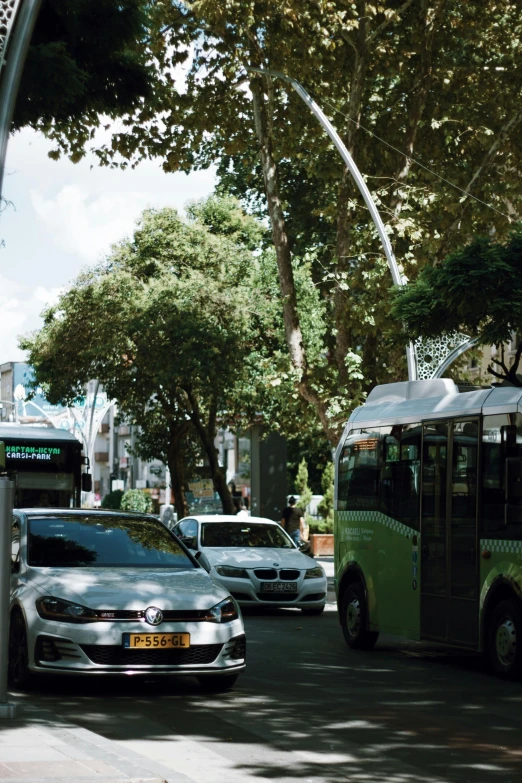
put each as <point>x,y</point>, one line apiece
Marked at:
<point>279,587</point>
<point>157,641</point>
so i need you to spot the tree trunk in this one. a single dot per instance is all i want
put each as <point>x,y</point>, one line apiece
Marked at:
<point>430,14</point>
<point>207,435</point>
<point>177,476</point>
<point>293,334</point>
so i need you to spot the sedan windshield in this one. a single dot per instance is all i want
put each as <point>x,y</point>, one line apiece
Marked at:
<point>235,534</point>
<point>103,541</point>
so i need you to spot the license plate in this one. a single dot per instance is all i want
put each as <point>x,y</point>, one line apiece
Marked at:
<point>279,587</point>
<point>157,641</point>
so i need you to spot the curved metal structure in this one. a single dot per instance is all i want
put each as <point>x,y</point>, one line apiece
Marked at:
<point>426,358</point>
<point>17,19</point>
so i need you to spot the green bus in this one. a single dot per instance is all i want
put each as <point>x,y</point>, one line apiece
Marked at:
<point>428,519</point>
<point>46,465</point>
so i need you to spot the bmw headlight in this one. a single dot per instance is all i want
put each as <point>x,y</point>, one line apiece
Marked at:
<point>237,573</point>
<point>314,573</point>
<point>50,608</point>
<point>224,612</point>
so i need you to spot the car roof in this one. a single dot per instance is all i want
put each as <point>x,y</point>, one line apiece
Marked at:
<point>68,512</point>
<point>229,518</point>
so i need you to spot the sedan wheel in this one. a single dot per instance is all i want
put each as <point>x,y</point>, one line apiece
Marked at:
<point>18,668</point>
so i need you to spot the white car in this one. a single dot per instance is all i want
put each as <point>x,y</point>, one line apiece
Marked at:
<point>101,592</point>
<point>256,561</point>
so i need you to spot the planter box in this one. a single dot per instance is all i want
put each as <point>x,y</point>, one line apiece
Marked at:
<point>322,543</point>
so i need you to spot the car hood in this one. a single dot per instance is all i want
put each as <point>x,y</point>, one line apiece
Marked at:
<point>129,588</point>
<point>254,557</point>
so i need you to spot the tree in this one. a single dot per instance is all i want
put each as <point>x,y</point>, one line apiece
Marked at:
<point>477,289</point>
<point>136,500</point>
<point>301,485</point>
<point>87,62</point>
<point>157,325</point>
<point>326,506</point>
<point>437,79</point>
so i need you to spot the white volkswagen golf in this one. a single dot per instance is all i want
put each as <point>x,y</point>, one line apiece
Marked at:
<point>100,592</point>
<point>256,561</point>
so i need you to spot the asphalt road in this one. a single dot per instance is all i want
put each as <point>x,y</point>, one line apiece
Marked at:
<point>309,709</point>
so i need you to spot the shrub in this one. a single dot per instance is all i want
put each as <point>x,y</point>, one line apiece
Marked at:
<point>113,500</point>
<point>136,500</point>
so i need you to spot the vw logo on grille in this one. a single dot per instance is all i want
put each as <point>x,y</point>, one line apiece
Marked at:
<point>153,615</point>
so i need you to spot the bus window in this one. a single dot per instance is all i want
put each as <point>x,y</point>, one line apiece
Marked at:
<point>400,474</point>
<point>494,452</point>
<point>359,472</point>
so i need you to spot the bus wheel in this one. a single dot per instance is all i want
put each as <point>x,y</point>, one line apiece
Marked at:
<point>354,615</point>
<point>505,640</point>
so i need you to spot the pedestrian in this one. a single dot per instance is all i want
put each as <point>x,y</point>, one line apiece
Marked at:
<point>292,519</point>
<point>242,511</point>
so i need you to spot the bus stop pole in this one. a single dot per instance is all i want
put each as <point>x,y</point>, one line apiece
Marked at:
<point>6,517</point>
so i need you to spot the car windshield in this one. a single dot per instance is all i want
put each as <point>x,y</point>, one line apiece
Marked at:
<point>235,534</point>
<point>103,541</point>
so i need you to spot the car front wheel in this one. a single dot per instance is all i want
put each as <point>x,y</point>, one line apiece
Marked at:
<point>354,616</point>
<point>18,666</point>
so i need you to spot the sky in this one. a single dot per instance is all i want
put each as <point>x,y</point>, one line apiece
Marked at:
<point>63,217</point>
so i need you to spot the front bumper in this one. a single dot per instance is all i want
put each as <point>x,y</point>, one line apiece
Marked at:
<point>60,648</point>
<point>309,593</point>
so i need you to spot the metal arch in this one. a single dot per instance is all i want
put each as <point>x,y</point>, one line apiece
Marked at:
<point>436,354</point>
<point>17,19</point>
<point>397,277</point>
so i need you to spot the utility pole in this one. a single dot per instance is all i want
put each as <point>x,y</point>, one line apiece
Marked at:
<point>6,520</point>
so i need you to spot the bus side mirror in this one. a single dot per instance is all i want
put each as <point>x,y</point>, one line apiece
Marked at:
<point>86,482</point>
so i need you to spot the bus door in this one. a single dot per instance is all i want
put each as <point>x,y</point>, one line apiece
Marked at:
<point>449,558</point>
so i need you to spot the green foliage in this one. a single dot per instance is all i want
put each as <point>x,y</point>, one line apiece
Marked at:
<point>478,288</point>
<point>86,63</point>
<point>136,500</point>
<point>301,485</point>
<point>326,506</point>
<point>113,500</point>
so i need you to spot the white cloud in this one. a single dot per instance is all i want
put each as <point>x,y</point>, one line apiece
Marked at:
<point>66,215</point>
<point>20,308</point>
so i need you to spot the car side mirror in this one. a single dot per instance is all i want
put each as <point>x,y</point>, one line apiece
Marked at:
<point>304,547</point>
<point>203,561</point>
<point>87,482</point>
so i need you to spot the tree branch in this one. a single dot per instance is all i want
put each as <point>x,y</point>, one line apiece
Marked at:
<point>378,30</point>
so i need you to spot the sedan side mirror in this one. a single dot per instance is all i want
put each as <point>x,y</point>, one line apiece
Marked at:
<point>304,547</point>
<point>203,561</point>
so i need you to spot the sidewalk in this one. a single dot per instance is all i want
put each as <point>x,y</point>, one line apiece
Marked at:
<point>38,747</point>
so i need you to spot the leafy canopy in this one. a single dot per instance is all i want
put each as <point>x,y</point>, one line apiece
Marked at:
<point>477,289</point>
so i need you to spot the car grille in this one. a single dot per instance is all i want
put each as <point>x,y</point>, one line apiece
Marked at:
<point>114,655</point>
<point>288,574</point>
<point>169,615</point>
<point>265,573</point>
<point>269,574</point>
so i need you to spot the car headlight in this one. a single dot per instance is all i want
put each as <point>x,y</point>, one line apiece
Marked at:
<point>237,573</point>
<point>314,573</point>
<point>223,612</point>
<point>50,608</point>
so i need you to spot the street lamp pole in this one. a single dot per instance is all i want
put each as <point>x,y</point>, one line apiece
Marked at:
<point>361,184</point>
